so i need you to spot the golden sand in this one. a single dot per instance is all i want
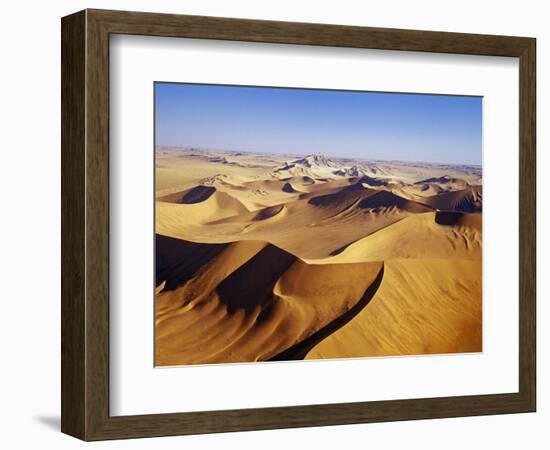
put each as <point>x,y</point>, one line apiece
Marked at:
<point>261,259</point>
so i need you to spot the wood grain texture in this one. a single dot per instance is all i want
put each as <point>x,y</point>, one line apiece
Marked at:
<point>527,224</point>
<point>85,224</point>
<point>73,269</point>
<point>152,24</point>
<point>97,225</point>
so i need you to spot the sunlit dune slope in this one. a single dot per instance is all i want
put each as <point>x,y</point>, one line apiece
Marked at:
<point>261,192</point>
<point>427,235</point>
<point>422,306</point>
<point>250,301</point>
<point>195,208</point>
<point>311,228</point>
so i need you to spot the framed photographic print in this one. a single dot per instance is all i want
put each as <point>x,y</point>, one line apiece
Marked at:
<point>272,224</point>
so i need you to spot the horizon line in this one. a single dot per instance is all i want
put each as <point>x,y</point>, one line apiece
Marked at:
<point>304,155</point>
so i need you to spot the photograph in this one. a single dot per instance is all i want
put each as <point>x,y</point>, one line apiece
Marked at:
<point>307,224</point>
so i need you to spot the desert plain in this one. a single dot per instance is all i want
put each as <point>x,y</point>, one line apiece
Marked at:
<point>264,257</point>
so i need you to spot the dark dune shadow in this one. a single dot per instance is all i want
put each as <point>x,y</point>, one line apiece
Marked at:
<point>197,194</point>
<point>301,349</point>
<point>443,179</point>
<point>357,186</point>
<point>252,284</point>
<point>51,422</point>
<point>339,250</point>
<point>382,199</point>
<point>448,217</point>
<point>341,199</point>
<point>304,179</point>
<point>177,260</point>
<point>267,213</point>
<point>465,200</point>
<point>372,181</point>
<point>365,198</point>
<point>287,187</point>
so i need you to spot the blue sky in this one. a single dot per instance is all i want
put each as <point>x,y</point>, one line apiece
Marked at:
<point>371,125</point>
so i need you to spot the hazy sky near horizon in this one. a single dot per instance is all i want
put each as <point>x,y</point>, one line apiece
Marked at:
<point>371,125</point>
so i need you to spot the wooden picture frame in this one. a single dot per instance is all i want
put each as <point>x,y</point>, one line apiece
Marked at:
<point>85,224</point>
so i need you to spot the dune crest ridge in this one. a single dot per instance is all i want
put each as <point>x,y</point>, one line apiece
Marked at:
<point>255,297</point>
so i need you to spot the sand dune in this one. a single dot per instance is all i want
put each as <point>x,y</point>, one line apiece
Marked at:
<point>180,170</point>
<point>335,220</point>
<point>370,181</point>
<point>178,261</point>
<point>302,180</point>
<point>423,306</point>
<point>216,206</point>
<point>366,198</point>
<point>468,200</point>
<point>280,258</point>
<point>288,188</point>
<point>269,212</point>
<point>250,301</point>
<point>418,236</point>
<point>197,194</point>
<point>258,193</point>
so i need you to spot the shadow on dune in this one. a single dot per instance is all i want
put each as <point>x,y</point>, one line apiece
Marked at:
<point>304,179</point>
<point>301,349</point>
<point>287,187</point>
<point>177,260</point>
<point>385,199</point>
<point>267,213</point>
<point>339,250</point>
<point>197,194</point>
<point>342,198</point>
<point>448,217</point>
<point>372,181</point>
<point>252,285</point>
<point>466,200</point>
<point>458,218</point>
<point>368,199</point>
